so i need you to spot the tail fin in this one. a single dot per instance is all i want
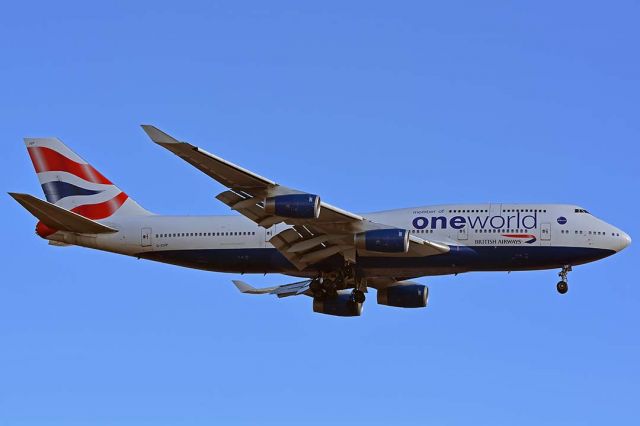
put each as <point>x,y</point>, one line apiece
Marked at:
<point>71,183</point>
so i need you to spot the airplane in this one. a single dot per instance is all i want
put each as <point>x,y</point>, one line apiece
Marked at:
<point>336,255</point>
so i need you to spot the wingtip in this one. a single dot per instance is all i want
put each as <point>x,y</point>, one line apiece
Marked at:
<point>242,286</point>
<point>17,195</point>
<point>157,135</point>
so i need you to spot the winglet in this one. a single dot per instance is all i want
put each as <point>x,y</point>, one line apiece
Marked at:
<point>157,135</point>
<point>242,286</point>
<point>247,289</point>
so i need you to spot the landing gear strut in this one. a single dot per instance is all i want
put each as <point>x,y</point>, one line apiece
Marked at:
<point>357,295</point>
<point>323,287</point>
<point>317,286</point>
<point>562,286</point>
<point>328,284</point>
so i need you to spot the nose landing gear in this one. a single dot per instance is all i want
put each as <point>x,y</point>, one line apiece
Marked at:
<point>562,286</point>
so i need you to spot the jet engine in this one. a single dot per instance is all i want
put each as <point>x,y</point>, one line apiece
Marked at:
<point>297,206</point>
<point>339,305</point>
<point>383,240</point>
<point>404,296</point>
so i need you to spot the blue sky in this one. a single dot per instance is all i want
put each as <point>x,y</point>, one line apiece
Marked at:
<point>374,106</point>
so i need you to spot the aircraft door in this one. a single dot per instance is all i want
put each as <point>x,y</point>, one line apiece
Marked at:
<point>145,238</point>
<point>545,232</point>
<point>269,233</point>
<point>463,234</point>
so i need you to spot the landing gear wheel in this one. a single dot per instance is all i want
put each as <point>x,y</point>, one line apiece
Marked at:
<point>316,288</point>
<point>330,287</point>
<point>357,296</point>
<point>562,287</point>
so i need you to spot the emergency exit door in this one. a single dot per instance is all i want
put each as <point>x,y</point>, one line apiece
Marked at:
<point>145,238</point>
<point>463,234</point>
<point>269,233</point>
<point>545,232</point>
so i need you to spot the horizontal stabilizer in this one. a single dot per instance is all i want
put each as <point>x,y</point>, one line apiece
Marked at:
<point>58,218</point>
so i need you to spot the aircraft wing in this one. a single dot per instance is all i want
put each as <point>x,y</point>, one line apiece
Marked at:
<point>302,287</point>
<point>309,240</point>
<point>293,289</point>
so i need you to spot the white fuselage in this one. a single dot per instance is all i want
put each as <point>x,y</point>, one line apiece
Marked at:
<point>481,237</point>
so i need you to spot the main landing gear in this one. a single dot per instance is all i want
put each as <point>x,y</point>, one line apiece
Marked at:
<point>357,296</point>
<point>562,286</point>
<point>322,287</point>
<point>328,284</point>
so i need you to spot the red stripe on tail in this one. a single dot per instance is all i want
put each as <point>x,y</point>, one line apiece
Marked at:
<point>90,211</point>
<point>101,210</point>
<point>47,160</point>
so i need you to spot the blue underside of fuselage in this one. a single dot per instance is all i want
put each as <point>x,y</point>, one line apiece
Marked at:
<point>459,259</point>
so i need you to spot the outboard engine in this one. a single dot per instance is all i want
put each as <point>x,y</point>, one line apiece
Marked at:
<point>383,240</point>
<point>404,296</point>
<point>339,305</point>
<point>295,206</point>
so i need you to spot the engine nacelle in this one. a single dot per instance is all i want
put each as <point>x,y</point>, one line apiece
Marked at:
<point>339,305</point>
<point>383,240</point>
<point>404,296</point>
<point>297,206</point>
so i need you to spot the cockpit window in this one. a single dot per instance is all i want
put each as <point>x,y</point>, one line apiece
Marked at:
<point>582,211</point>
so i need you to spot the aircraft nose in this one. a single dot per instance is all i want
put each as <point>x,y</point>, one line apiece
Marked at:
<point>627,240</point>
<point>622,241</point>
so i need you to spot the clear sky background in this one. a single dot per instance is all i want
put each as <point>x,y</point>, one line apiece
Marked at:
<point>374,106</point>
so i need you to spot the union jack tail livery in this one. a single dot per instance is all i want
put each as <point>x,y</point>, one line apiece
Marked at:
<point>71,183</point>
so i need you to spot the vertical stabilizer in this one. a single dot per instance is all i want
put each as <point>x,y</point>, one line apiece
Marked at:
<point>73,184</point>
